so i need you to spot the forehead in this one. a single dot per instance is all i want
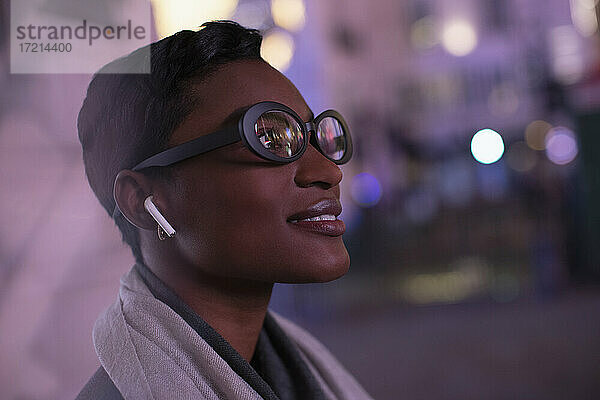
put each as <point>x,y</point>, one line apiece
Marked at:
<point>233,86</point>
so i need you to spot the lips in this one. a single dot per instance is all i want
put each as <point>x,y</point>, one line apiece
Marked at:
<point>320,218</point>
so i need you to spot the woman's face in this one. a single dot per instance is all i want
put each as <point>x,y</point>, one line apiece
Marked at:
<point>232,209</point>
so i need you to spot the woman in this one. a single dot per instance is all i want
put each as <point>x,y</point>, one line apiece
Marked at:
<point>245,195</point>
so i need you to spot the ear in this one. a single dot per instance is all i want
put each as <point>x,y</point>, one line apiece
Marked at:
<point>130,190</point>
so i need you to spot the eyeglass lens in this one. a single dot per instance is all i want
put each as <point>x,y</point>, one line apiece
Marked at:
<point>279,133</point>
<point>331,138</point>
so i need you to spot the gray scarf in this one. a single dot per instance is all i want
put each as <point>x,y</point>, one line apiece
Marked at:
<point>150,352</point>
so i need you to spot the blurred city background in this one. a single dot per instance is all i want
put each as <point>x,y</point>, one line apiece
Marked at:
<point>472,203</point>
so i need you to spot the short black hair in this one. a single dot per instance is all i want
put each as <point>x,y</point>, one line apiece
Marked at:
<point>126,118</point>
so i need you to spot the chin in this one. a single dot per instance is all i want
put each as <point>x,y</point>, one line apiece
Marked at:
<point>324,270</point>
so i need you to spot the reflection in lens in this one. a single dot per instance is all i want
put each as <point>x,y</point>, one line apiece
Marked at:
<point>279,133</point>
<point>331,138</point>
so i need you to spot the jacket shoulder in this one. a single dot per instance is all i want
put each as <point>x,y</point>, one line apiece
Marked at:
<point>99,387</point>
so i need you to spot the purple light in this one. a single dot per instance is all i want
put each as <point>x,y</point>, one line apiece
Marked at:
<point>366,190</point>
<point>561,145</point>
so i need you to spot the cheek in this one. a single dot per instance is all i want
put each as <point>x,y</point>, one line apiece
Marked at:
<point>238,219</point>
<point>237,227</point>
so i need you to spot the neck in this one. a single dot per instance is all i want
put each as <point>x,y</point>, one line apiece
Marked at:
<point>235,308</point>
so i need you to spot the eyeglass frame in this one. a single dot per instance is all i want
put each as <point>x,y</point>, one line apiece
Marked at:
<point>244,131</point>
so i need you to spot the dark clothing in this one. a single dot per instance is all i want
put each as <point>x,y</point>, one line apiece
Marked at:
<point>276,371</point>
<point>100,387</point>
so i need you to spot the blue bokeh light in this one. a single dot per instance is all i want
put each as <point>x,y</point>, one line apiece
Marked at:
<point>366,190</point>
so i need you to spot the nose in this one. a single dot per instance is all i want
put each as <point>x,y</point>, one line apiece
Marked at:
<point>314,169</point>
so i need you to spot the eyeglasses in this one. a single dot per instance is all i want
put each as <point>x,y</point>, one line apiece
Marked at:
<point>272,131</point>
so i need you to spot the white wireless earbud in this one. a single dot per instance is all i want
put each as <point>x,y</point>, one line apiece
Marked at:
<point>158,217</point>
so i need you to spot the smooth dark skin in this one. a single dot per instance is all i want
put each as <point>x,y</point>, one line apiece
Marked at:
<point>230,209</point>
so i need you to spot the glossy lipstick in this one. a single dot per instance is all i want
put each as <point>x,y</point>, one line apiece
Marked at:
<point>320,218</point>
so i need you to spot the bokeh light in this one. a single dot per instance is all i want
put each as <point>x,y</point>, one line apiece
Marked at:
<point>366,190</point>
<point>253,15</point>
<point>468,279</point>
<point>535,134</point>
<point>423,33</point>
<point>459,37</point>
<point>561,145</point>
<point>583,15</point>
<point>172,16</point>
<point>278,49</point>
<point>521,157</point>
<point>487,146</point>
<point>567,54</point>
<point>288,14</point>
